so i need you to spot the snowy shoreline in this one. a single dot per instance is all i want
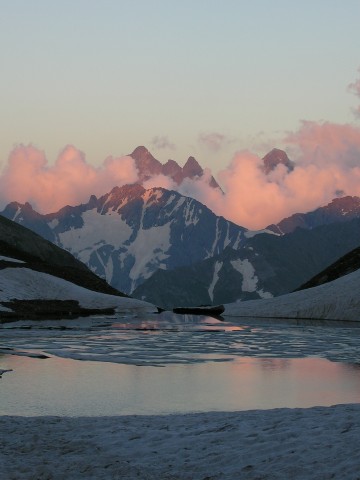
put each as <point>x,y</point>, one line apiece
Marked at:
<point>301,444</point>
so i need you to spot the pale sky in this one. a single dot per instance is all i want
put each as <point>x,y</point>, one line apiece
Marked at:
<point>191,77</point>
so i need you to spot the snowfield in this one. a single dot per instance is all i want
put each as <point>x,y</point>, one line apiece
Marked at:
<point>336,300</point>
<point>26,284</point>
<point>298,444</point>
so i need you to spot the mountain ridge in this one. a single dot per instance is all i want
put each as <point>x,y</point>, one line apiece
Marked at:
<point>130,232</point>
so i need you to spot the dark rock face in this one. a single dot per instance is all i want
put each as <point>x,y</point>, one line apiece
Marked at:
<point>146,164</point>
<point>277,157</point>
<point>347,264</point>
<point>192,169</point>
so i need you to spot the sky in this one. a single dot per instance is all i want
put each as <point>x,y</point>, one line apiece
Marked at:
<point>92,80</point>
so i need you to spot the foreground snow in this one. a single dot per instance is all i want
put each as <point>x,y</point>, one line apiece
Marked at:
<point>336,300</point>
<point>299,444</point>
<point>27,284</point>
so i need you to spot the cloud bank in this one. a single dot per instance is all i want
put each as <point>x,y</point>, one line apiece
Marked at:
<point>28,177</point>
<point>322,172</point>
<point>327,158</point>
<point>327,165</point>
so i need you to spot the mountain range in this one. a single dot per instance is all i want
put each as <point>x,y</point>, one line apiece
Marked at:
<point>130,233</point>
<point>149,167</point>
<point>171,250</point>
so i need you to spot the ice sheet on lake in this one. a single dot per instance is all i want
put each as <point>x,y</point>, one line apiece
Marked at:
<point>174,339</point>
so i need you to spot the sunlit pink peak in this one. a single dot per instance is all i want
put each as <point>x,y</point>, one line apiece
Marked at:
<point>131,190</point>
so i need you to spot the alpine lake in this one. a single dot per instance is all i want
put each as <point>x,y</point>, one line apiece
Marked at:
<point>166,363</point>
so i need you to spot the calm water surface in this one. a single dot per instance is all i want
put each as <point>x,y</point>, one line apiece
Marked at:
<point>168,364</point>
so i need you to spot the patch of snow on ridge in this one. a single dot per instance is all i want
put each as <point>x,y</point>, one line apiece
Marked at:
<point>336,300</point>
<point>216,239</point>
<point>152,196</point>
<point>17,213</point>
<point>247,271</point>
<point>107,266</point>
<point>149,250</point>
<point>97,229</point>
<point>253,233</point>
<point>27,284</point>
<point>54,223</point>
<point>8,259</point>
<point>236,244</point>
<point>176,205</point>
<point>190,215</point>
<point>264,294</point>
<point>227,240</point>
<point>217,268</point>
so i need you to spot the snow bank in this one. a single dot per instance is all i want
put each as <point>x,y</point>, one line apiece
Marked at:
<point>27,284</point>
<point>298,444</point>
<point>337,300</point>
<point>9,259</point>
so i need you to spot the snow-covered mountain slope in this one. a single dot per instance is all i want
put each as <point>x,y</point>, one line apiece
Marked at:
<point>338,210</point>
<point>129,233</point>
<point>22,284</point>
<point>265,266</point>
<point>336,300</point>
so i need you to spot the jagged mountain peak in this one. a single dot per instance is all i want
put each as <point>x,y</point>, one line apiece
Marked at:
<point>148,166</point>
<point>274,158</point>
<point>141,152</point>
<point>15,209</point>
<point>192,168</point>
<point>119,196</point>
<point>172,169</point>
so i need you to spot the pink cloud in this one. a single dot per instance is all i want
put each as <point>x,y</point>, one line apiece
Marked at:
<point>325,143</point>
<point>160,181</point>
<point>71,180</point>
<point>327,160</point>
